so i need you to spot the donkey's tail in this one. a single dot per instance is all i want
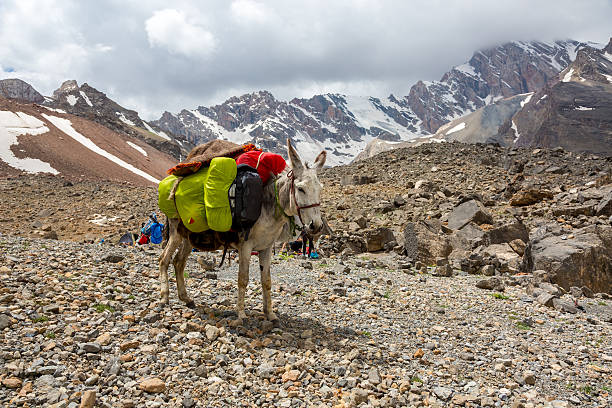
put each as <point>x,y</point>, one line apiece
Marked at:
<point>165,232</point>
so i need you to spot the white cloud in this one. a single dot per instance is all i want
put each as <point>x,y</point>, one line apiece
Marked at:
<point>249,11</point>
<point>171,29</point>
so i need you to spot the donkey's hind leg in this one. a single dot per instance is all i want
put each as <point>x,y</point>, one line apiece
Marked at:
<point>179,261</point>
<point>164,259</point>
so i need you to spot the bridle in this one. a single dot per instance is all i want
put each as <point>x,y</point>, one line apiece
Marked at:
<point>291,177</point>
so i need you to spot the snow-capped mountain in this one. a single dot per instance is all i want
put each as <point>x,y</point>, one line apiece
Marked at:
<point>573,110</point>
<point>92,104</point>
<point>38,139</point>
<point>341,124</point>
<point>344,125</point>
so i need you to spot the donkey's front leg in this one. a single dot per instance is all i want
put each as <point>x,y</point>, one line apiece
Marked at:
<point>266,284</point>
<point>165,257</point>
<point>180,259</point>
<point>244,257</point>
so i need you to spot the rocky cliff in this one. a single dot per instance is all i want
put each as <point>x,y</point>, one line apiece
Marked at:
<point>575,112</point>
<point>19,90</point>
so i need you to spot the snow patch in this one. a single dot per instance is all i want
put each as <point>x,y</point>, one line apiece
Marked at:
<point>53,109</point>
<point>13,125</point>
<point>608,77</point>
<point>86,98</point>
<point>527,99</point>
<point>102,220</point>
<point>161,134</point>
<point>607,56</point>
<point>583,108</point>
<point>516,132</point>
<point>140,149</point>
<point>456,128</point>
<point>72,100</point>
<point>124,119</point>
<point>568,76</point>
<point>66,126</point>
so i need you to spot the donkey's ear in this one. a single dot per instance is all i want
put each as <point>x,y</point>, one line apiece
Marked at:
<point>296,162</point>
<point>320,160</point>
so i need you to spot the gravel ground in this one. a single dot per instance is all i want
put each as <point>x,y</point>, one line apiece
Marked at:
<point>79,325</point>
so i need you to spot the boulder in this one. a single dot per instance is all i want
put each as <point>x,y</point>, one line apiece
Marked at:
<point>605,205</point>
<point>504,253</point>
<point>506,233</point>
<point>423,241</point>
<point>376,239</point>
<point>469,211</point>
<point>529,197</point>
<point>585,260</point>
<point>492,283</point>
<point>465,239</point>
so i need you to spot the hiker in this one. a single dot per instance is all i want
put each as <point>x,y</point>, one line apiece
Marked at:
<point>306,238</point>
<point>151,231</point>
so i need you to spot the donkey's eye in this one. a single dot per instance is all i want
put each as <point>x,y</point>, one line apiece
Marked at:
<point>301,190</point>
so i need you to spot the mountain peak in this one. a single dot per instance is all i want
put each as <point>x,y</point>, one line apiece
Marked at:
<point>19,90</point>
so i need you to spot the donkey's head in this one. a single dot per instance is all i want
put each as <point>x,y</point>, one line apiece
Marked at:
<point>306,190</point>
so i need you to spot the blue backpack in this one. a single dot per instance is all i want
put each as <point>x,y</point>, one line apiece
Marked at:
<point>156,233</point>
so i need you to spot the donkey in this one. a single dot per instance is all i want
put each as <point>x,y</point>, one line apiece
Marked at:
<point>296,192</point>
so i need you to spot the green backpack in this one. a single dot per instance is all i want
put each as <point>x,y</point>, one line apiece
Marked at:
<point>201,199</point>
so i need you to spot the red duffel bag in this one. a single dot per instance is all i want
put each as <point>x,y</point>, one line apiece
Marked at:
<point>267,164</point>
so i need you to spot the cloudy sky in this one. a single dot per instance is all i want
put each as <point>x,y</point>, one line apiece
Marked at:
<point>159,55</point>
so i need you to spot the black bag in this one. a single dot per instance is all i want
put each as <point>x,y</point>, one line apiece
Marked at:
<point>245,196</point>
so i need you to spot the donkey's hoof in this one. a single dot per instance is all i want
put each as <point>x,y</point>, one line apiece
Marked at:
<point>191,304</point>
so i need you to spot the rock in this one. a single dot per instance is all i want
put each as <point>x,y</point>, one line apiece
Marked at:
<point>605,205</point>
<point>376,239</point>
<point>528,377</point>
<point>506,234</point>
<point>88,399</point>
<point>152,385</point>
<point>113,258</point>
<point>564,306</point>
<point>5,321</point>
<point>470,211</point>
<point>442,393</point>
<point>374,376</point>
<point>488,270</point>
<point>444,271</point>
<point>359,396</point>
<point>518,245</point>
<point>91,347</point>
<point>492,283</point>
<point>529,197</point>
<point>505,253</point>
<point>52,308</point>
<point>545,299</point>
<point>291,375</point>
<point>212,332</point>
<point>576,292</point>
<point>423,241</point>
<point>550,288</point>
<point>12,382</point>
<point>581,261</point>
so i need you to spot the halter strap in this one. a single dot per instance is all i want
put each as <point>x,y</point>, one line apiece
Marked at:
<point>291,177</point>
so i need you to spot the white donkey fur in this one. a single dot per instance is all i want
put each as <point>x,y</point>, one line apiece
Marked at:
<point>262,236</point>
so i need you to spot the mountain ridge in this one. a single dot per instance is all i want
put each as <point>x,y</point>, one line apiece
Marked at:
<point>344,124</point>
